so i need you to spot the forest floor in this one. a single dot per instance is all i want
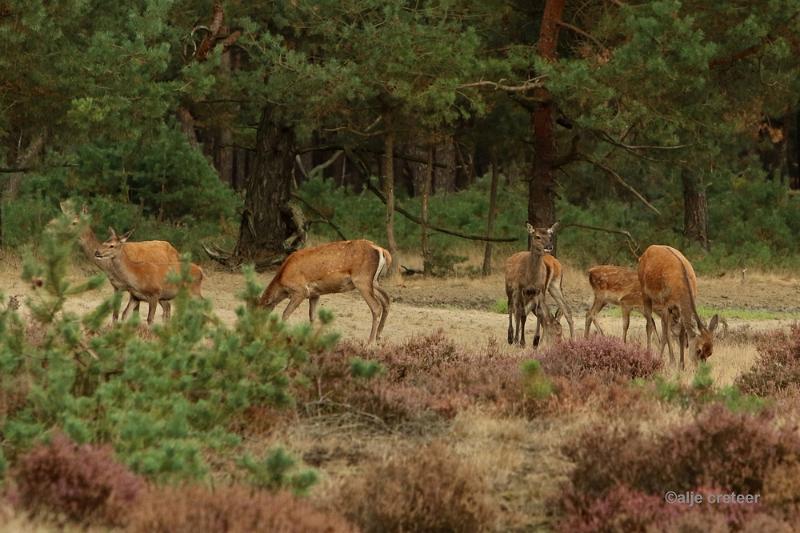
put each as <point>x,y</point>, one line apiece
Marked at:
<point>521,458</point>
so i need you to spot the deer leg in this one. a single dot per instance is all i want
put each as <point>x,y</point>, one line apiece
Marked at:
<point>511,311</point>
<point>558,296</point>
<point>650,325</point>
<point>383,296</point>
<point>626,322</point>
<point>682,339</point>
<point>151,311</point>
<point>133,304</point>
<point>666,336</point>
<point>294,301</point>
<point>540,310</point>
<point>365,289</point>
<point>591,316</point>
<point>166,307</point>
<point>312,308</point>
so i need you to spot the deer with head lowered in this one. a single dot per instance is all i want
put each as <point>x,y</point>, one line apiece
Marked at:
<point>143,269</point>
<point>668,281</point>
<point>335,267</point>
<point>527,277</point>
<point>617,285</point>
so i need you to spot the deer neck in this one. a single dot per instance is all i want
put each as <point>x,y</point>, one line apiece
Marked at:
<point>89,244</point>
<point>535,261</point>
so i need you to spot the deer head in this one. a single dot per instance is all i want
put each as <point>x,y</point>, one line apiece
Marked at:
<point>704,341</point>
<point>113,246</point>
<point>542,238</point>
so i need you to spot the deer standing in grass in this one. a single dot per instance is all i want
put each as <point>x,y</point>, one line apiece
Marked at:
<point>143,269</point>
<point>617,285</point>
<point>339,266</point>
<point>527,276</point>
<point>668,281</point>
<point>89,243</point>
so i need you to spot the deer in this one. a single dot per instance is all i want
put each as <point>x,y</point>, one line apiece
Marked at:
<point>668,281</point>
<point>143,268</point>
<point>526,279</point>
<point>554,289</point>
<point>335,267</point>
<point>89,243</point>
<point>617,285</point>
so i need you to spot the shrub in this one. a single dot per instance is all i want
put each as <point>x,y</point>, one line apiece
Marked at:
<point>702,392</point>
<point>161,401</point>
<point>275,471</point>
<point>426,489</point>
<point>777,368</point>
<point>604,358</point>
<point>726,451</point>
<point>232,509</point>
<point>423,377</point>
<point>82,482</point>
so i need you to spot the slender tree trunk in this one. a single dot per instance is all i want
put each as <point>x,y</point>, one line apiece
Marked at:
<point>427,179</point>
<point>487,252</point>
<point>695,210</point>
<point>14,180</point>
<point>542,191</point>
<point>388,191</point>
<point>267,221</point>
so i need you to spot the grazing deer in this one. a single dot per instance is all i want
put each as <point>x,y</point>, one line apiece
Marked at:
<point>616,285</point>
<point>331,268</point>
<point>527,277</point>
<point>554,289</point>
<point>668,281</point>
<point>143,269</point>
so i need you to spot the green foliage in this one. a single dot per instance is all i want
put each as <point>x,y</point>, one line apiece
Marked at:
<point>277,471</point>
<point>535,382</point>
<point>361,368</point>
<point>702,392</point>
<point>161,402</point>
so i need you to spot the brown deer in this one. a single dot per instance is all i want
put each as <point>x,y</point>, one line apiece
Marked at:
<point>143,269</point>
<point>335,267</point>
<point>89,243</point>
<point>526,279</point>
<point>668,281</point>
<point>617,285</point>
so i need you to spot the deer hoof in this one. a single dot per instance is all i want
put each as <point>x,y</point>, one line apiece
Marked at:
<point>536,340</point>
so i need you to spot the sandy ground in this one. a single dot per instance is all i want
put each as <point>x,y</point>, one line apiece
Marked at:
<point>465,308</point>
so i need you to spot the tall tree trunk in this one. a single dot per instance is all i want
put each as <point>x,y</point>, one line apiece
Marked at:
<point>427,179</point>
<point>542,192</point>
<point>388,191</point>
<point>695,210</point>
<point>267,221</point>
<point>487,252</point>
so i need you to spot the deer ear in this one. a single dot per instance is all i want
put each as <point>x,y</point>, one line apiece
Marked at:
<point>66,207</point>
<point>111,233</point>
<point>125,237</point>
<point>530,228</point>
<point>553,228</point>
<point>84,209</point>
<point>712,325</point>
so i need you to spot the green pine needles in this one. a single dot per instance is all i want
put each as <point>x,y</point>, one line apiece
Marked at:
<point>161,400</point>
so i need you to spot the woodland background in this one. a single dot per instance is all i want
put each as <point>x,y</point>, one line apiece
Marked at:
<point>216,122</point>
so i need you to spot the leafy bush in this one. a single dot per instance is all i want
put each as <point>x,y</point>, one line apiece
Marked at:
<point>161,401</point>
<point>233,509</point>
<point>82,482</point>
<point>426,489</point>
<point>275,472</point>
<point>718,451</point>
<point>702,392</point>
<point>777,368</point>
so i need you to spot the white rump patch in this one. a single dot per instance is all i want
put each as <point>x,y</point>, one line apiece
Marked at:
<point>381,265</point>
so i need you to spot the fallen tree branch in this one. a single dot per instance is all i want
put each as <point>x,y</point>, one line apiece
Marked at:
<point>533,83</point>
<point>416,220</point>
<point>633,246</point>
